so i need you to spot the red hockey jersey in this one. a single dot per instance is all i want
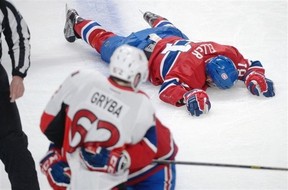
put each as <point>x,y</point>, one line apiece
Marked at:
<point>179,66</point>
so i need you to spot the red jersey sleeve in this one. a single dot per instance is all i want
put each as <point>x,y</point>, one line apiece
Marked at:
<point>141,153</point>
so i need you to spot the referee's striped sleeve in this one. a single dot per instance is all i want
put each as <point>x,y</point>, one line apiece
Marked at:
<point>17,36</point>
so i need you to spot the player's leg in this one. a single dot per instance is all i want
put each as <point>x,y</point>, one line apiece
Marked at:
<point>91,32</point>
<point>155,20</point>
<point>14,153</point>
<point>18,162</point>
<point>163,26</point>
<point>164,179</point>
<point>105,42</point>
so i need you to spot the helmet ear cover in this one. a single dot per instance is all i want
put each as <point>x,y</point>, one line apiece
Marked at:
<point>222,71</point>
<point>129,64</point>
<point>136,81</point>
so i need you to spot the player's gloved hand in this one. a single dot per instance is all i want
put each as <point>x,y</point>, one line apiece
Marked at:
<point>101,159</point>
<point>197,102</point>
<point>56,169</point>
<point>257,84</point>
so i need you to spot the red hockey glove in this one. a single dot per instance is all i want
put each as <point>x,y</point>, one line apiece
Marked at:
<point>197,102</point>
<point>103,160</point>
<point>56,169</point>
<point>257,84</point>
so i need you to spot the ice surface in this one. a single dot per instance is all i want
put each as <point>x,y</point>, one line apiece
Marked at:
<point>240,128</point>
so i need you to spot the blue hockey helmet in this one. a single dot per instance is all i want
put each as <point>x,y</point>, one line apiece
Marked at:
<point>222,71</point>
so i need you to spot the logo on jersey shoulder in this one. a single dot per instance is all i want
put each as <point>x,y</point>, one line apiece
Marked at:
<point>107,103</point>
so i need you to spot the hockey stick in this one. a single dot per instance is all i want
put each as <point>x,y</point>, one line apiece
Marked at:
<point>217,165</point>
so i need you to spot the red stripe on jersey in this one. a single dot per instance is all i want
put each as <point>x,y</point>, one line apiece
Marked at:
<point>45,121</point>
<point>168,177</point>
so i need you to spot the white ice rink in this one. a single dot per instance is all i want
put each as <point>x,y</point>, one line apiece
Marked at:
<point>240,128</point>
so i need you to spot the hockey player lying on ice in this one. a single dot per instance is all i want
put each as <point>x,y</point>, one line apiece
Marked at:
<point>183,68</point>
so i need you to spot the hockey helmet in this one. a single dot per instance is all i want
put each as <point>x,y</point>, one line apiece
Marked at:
<point>129,64</point>
<point>222,72</point>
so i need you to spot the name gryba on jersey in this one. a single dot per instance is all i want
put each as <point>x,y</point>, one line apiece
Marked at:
<point>106,103</point>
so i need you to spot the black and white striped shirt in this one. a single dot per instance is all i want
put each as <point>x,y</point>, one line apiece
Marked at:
<point>17,36</point>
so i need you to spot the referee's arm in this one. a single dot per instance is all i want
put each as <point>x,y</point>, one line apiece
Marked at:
<point>17,36</point>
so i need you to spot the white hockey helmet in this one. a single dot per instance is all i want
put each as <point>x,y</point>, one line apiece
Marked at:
<point>129,64</point>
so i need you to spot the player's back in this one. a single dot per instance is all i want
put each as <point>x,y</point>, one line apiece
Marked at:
<point>173,58</point>
<point>111,103</point>
<point>185,60</point>
<point>103,112</point>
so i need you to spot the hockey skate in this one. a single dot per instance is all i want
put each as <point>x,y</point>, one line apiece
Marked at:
<point>72,17</point>
<point>150,17</point>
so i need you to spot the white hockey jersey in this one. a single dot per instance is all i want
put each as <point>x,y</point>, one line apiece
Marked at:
<point>97,110</point>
